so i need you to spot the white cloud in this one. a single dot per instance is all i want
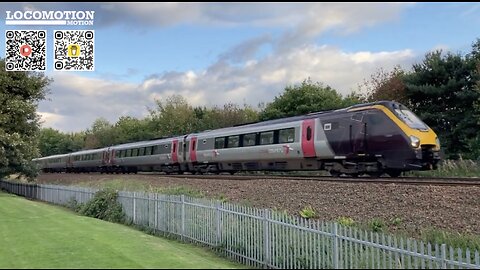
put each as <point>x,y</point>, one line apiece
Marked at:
<point>51,119</point>
<point>77,101</point>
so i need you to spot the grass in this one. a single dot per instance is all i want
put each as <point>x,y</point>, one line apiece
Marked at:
<point>132,185</point>
<point>452,168</point>
<point>38,235</point>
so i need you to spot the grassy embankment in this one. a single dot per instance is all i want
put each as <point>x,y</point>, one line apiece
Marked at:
<point>38,235</point>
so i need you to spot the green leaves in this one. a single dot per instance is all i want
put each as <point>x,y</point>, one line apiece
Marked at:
<point>306,98</point>
<point>443,91</point>
<point>19,123</point>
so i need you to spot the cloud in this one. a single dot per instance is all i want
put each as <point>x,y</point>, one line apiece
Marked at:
<point>242,74</point>
<point>77,101</point>
<point>305,19</point>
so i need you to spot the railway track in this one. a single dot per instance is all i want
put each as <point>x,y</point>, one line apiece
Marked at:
<point>443,181</point>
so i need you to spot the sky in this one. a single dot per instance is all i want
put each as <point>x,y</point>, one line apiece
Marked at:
<point>245,53</point>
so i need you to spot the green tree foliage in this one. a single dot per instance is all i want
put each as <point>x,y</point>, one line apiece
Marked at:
<point>20,93</point>
<point>306,98</point>
<point>101,134</point>
<point>54,142</point>
<point>442,90</point>
<point>130,129</point>
<point>173,116</point>
<point>230,115</point>
<point>385,85</point>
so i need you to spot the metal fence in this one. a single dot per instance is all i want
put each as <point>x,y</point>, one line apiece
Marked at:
<point>265,238</point>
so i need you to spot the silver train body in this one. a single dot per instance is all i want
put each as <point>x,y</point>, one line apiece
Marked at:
<point>368,138</point>
<point>276,146</point>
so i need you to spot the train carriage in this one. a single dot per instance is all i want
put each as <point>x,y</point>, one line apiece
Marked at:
<point>86,161</point>
<point>374,138</point>
<point>154,155</point>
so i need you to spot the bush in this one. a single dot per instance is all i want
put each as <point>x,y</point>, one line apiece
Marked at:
<point>346,221</point>
<point>74,205</point>
<point>307,212</point>
<point>104,206</point>
<point>377,225</point>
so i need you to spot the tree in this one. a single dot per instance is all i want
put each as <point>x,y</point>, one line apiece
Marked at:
<point>305,98</point>
<point>101,134</point>
<point>442,91</point>
<point>52,142</point>
<point>173,116</point>
<point>228,116</point>
<point>130,129</point>
<point>20,93</point>
<point>385,85</point>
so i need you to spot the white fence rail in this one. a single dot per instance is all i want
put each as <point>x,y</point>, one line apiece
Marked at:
<point>264,238</point>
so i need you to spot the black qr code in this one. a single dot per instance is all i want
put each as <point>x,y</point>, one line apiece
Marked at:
<point>25,50</point>
<point>74,50</point>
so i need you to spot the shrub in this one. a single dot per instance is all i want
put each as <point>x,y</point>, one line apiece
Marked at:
<point>346,221</point>
<point>396,221</point>
<point>377,225</point>
<point>74,205</point>
<point>307,212</point>
<point>104,205</point>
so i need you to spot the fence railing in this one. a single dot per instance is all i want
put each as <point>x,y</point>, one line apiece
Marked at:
<point>265,238</point>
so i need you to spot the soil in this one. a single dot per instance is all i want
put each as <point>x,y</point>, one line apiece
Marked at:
<point>414,207</point>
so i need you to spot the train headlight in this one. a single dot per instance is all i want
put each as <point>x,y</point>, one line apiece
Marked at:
<point>414,141</point>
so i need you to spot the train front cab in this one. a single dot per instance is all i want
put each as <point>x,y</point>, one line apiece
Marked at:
<point>405,142</point>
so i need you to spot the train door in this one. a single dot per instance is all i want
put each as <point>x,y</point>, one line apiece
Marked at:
<point>184,148</point>
<point>308,138</point>
<point>105,158</point>
<point>111,160</point>
<point>174,151</point>
<point>193,149</point>
<point>358,133</point>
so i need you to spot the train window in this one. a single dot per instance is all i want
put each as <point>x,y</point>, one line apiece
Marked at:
<point>309,133</point>
<point>135,152</point>
<point>266,137</point>
<point>220,143</point>
<point>286,135</point>
<point>148,151</point>
<point>174,148</point>
<point>141,151</point>
<point>193,145</point>
<point>129,153</point>
<point>249,139</point>
<point>357,117</point>
<point>233,141</point>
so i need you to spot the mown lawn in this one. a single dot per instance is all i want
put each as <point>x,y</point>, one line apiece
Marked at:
<point>38,235</point>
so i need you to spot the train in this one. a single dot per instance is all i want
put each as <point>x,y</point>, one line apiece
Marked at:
<point>377,138</point>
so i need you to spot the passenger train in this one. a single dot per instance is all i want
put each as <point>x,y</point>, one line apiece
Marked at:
<point>373,138</point>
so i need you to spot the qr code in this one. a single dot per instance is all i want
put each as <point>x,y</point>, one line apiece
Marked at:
<point>74,50</point>
<point>25,50</point>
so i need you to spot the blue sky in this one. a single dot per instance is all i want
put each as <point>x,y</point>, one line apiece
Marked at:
<point>213,53</point>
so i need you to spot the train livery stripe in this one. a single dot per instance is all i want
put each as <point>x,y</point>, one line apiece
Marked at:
<point>308,138</point>
<point>174,151</point>
<point>193,149</point>
<point>425,137</point>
